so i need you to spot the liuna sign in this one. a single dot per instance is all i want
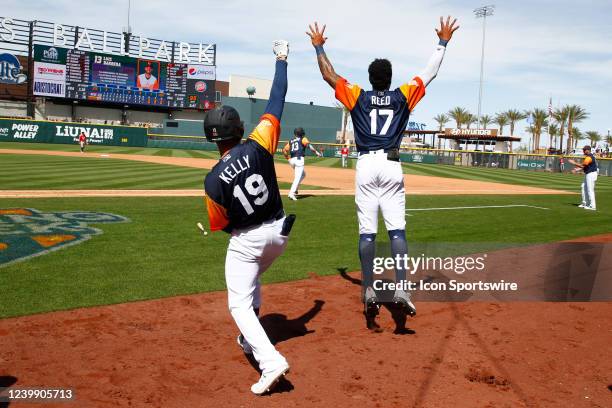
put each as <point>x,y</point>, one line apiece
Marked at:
<point>17,130</point>
<point>87,39</point>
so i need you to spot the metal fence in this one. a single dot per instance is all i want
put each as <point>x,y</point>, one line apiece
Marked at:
<point>513,161</point>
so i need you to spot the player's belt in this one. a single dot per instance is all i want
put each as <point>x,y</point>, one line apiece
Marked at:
<point>392,154</point>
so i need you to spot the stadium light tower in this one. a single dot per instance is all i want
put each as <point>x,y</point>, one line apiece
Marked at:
<point>482,12</point>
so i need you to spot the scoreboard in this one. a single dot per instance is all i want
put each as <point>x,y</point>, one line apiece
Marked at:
<point>92,76</point>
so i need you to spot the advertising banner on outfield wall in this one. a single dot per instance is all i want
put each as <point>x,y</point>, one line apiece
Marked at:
<point>68,133</point>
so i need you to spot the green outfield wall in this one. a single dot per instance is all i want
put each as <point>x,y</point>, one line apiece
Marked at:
<point>37,131</point>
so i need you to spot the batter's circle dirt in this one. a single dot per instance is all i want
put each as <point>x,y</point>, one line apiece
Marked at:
<point>181,352</point>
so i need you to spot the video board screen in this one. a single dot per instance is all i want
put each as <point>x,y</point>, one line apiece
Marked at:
<point>82,75</point>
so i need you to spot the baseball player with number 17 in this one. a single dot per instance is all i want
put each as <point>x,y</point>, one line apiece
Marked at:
<point>379,118</point>
<point>243,199</point>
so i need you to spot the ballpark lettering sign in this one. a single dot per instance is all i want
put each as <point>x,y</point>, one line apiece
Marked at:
<point>13,30</point>
<point>470,132</point>
<point>26,233</point>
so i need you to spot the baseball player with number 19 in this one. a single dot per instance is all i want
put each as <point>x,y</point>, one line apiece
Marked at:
<point>243,199</point>
<point>379,118</point>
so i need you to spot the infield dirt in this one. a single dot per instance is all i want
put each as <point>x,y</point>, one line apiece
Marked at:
<point>182,352</point>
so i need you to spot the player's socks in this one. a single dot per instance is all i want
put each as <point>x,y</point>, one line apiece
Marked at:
<point>367,252</point>
<point>399,246</point>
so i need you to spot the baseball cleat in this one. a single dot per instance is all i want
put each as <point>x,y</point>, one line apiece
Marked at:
<point>292,197</point>
<point>244,345</point>
<point>402,299</point>
<point>269,380</point>
<point>582,206</point>
<point>371,302</point>
<point>586,207</point>
<point>280,48</point>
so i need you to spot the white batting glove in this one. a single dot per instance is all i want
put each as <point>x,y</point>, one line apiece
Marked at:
<point>281,49</point>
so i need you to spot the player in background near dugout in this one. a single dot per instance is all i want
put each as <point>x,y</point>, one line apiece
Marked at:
<point>82,141</point>
<point>379,118</point>
<point>294,151</point>
<point>243,199</point>
<point>589,167</point>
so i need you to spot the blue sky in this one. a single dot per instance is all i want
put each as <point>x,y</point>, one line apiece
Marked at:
<point>535,49</point>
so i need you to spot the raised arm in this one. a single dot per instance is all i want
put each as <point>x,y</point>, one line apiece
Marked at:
<point>445,33</point>
<point>327,70</point>
<point>268,130</point>
<point>278,92</point>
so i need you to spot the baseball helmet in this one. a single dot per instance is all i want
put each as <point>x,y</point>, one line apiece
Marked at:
<point>223,123</point>
<point>299,132</point>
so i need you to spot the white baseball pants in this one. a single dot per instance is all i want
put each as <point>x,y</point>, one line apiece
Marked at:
<point>250,253</point>
<point>588,189</point>
<point>344,160</point>
<point>298,168</point>
<point>379,183</point>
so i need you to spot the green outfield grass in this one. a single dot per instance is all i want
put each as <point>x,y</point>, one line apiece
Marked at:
<point>40,172</point>
<point>198,154</point>
<point>160,252</point>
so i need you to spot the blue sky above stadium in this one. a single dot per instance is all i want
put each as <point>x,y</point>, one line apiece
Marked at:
<point>535,49</point>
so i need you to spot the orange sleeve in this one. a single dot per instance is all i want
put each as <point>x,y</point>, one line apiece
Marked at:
<point>347,93</point>
<point>267,133</point>
<point>217,215</point>
<point>305,141</point>
<point>586,161</point>
<point>414,91</point>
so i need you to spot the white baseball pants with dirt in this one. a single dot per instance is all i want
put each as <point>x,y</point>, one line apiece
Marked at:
<point>250,253</point>
<point>379,184</point>
<point>297,163</point>
<point>588,189</point>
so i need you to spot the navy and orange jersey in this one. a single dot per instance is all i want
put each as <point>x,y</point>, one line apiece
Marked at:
<point>242,190</point>
<point>589,163</point>
<point>296,146</point>
<point>379,117</point>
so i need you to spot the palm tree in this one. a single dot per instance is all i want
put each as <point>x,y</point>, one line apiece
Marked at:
<point>501,120</point>
<point>458,114</point>
<point>577,135</point>
<point>442,119</point>
<point>553,131</point>
<point>560,116</point>
<point>514,116</point>
<point>538,121</point>
<point>609,140</point>
<point>575,114</point>
<point>593,136</point>
<point>470,119</point>
<point>485,120</point>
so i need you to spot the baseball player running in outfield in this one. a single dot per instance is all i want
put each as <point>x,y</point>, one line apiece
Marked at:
<point>379,118</point>
<point>243,199</point>
<point>294,151</point>
<point>589,167</point>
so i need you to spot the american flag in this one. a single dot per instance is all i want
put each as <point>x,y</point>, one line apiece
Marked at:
<point>550,108</point>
